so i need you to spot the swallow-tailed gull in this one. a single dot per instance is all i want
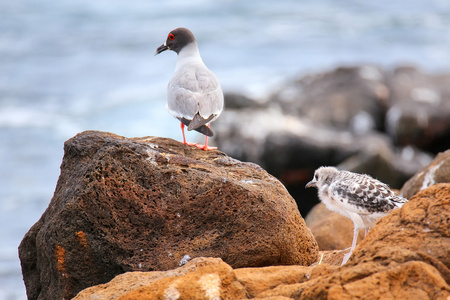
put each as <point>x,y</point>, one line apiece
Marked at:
<point>194,95</point>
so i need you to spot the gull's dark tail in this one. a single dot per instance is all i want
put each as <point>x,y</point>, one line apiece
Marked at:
<point>203,129</point>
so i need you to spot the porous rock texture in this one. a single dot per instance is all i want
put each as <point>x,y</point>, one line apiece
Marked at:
<point>437,171</point>
<point>208,276</point>
<point>151,204</point>
<point>405,256</point>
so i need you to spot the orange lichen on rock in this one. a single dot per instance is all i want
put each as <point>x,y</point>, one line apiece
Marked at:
<point>81,237</point>
<point>60,254</point>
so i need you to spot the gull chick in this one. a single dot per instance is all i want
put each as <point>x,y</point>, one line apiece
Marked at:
<point>361,198</point>
<point>194,95</point>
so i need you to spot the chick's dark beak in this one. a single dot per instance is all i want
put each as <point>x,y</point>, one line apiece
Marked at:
<point>160,49</point>
<point>312,183</point>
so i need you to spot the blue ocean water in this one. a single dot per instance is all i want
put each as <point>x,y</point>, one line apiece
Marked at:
<point>68,66</point>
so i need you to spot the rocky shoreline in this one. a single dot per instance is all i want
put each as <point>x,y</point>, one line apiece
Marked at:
<point>151,218</point>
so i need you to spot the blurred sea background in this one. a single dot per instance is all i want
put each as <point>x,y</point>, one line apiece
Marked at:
<point>68,66</point>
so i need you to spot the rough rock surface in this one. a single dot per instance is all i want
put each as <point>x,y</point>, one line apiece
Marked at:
<point>405,256</point>
<point>409,280</point>
<point>240,283</point>
<point>211,278</point>
<point>420,111</point>
<point>331,230</point>
<point>437,171</point>
<point>148,204</point>
<point>201,278</point>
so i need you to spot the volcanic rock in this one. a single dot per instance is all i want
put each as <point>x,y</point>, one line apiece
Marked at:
<point>211,278</point>
<point>152,204</point>
<point>437,171</point>
<point>201,278</point>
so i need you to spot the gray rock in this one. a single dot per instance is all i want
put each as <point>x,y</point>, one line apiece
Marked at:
<point>354,98</point>
<point>237,101</point>
<point>419,114</point>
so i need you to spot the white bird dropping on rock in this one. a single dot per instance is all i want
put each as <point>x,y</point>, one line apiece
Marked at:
<point>361,198</point>
<point>194,95</point>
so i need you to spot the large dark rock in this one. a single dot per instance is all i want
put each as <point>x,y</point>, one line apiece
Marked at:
<point>420,111</point>
<point>354,98</point>
<point>237,101</point>
<point>146,204</point>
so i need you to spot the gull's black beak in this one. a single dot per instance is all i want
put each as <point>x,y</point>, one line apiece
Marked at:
<point>312,183</point>
<point>161,49</point>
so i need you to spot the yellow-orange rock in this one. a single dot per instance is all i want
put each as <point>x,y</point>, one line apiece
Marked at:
<point>198,279</point>
<point>258,280</point>
<point>409,280</point>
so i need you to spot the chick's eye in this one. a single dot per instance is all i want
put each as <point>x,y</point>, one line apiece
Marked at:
<point>171,36</point>
<point>316,177</point>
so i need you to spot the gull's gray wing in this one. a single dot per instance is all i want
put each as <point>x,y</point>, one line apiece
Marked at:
<point>194,90</point>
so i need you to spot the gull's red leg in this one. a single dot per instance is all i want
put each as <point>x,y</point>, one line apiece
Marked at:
<point>184,137</point>
<point>205,147</point>
<point>182,131</point>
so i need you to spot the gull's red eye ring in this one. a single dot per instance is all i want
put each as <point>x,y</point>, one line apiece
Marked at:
<point>171,36</point>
